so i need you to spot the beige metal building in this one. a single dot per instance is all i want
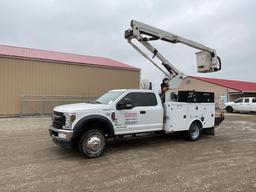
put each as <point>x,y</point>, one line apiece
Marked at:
<point>228,89</point>
<point>34,81</point>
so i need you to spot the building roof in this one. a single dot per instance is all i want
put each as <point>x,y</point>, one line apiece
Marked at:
<point>242,86</point>
<point>52,56</point>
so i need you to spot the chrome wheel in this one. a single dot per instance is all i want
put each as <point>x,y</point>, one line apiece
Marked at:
<point>92,144</point>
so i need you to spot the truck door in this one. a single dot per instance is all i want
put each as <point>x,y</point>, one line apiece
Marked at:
<point>144,115</point>
<point>246,105</point>
<point>238,104</point>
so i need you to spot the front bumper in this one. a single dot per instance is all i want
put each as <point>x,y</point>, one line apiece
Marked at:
<point>60,135</point>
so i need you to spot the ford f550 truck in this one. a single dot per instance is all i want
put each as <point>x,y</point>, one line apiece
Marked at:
<point>126,113</point>
<point>135,112</point>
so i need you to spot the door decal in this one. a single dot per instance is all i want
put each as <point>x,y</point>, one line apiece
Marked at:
<point>130,118</point>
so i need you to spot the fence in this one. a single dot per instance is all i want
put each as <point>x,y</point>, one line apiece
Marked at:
<point>43,105</point>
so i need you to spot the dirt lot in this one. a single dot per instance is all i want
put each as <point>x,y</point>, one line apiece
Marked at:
<point>29,161</point>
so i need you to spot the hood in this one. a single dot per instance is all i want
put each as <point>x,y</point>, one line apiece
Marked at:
<point>70,108</point>
<point>229,103</point>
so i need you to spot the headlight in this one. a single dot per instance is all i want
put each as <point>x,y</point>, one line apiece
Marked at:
<point>70,118</point>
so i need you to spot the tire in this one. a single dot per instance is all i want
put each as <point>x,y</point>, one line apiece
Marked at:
<point>229,109</point>
<point>195,131</point>
<point>92,144</point>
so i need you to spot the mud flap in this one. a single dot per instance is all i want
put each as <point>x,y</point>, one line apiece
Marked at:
<point>218,120</point>
<point>209,131</point>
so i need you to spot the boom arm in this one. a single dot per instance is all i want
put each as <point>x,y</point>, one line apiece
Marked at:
<point>207,59</point>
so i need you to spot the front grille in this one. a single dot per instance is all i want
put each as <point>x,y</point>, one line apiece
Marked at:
<point>58,120</point>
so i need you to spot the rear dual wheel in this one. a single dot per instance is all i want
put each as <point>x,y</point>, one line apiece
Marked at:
<point>195,131</point>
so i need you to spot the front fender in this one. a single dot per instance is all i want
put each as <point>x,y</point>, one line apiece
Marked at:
<point>80,125</point>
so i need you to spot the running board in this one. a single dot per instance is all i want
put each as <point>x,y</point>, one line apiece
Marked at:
<point>139,135</point>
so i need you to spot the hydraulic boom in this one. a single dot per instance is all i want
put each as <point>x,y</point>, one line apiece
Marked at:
<point>207,59</point>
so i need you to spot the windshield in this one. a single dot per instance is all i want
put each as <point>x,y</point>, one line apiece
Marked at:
<point>109,97</point>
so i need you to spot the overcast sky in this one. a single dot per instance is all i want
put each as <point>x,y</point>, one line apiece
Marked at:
<point>97,28</point>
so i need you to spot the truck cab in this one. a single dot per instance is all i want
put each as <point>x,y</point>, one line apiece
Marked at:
<point>138,111</point>
<point>118,112</point>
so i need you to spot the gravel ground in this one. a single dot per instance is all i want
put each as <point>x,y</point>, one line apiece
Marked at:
<point>29,161</point>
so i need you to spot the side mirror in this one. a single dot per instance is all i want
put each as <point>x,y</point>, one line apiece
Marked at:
<point>126,103</point>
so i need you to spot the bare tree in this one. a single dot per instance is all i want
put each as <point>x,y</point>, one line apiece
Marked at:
<point>144,84</point>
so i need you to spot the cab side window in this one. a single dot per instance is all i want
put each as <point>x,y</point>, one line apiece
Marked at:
<point>254,100</point>
<point>246,100</point>
<point>239,101</point>
<point>142,99</point>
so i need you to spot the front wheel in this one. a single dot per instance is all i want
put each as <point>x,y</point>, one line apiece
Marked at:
<point>229,109</point>
<point>195,131</point>
<point>92,144</point>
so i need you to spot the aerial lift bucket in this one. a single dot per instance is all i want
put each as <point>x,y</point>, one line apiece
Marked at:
<point>207,62</point>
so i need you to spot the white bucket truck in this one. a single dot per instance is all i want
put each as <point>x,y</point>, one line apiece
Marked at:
<point>137,112</point>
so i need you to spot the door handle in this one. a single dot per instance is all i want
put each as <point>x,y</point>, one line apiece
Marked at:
<point>142,112</point>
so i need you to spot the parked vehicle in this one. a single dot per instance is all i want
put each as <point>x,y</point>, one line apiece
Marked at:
<point>125,113</point>
<point>244,104</point>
